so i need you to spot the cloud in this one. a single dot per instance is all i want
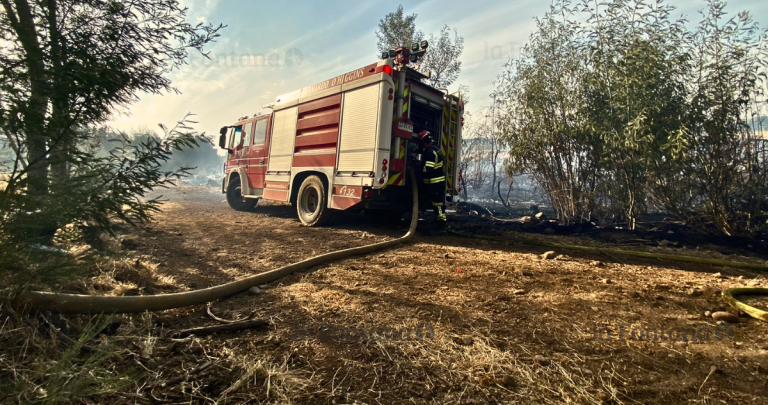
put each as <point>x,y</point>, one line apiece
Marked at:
<point>220,92</point>
<point>236,83</point>
<point>200,10</point>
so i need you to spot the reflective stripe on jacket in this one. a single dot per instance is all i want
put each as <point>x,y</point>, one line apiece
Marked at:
<point>433,166</point>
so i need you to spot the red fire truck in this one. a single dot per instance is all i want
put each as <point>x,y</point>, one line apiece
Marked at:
<point>344,143</point>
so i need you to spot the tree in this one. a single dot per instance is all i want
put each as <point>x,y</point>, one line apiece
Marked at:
<point>67,64</point>
<point>397,29</point>
<point>103,191</point>
<point>542,122</point>
<point>720,163</point>
<point>203,157</point>
<point>442,58</point>
<point>616,107</point>
<point>636,93</point>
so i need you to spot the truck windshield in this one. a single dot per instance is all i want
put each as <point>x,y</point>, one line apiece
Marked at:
<point>236,137</point>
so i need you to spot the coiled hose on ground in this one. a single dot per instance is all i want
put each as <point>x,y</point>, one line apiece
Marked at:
<point>79,304</point>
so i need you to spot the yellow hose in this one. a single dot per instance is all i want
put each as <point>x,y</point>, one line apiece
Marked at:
<point>74,303</point>
<point>728,296</point>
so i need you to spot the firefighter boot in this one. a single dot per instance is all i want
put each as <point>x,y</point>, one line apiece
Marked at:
<point>438,225</point>
<point>438,228</point>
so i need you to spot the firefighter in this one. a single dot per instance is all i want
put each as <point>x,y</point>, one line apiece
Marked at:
<point>434,180</point>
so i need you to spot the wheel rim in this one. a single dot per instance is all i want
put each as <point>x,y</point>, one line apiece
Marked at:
<point>239,194</point>
<point>310,201</point>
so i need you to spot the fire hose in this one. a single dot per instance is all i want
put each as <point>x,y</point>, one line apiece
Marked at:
<point>78,304</point>
<point>728,296</point>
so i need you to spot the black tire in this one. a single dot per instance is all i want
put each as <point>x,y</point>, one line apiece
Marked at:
<point>312,202</point>
<point>235,197</point>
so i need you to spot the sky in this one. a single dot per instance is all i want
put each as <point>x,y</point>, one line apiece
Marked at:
<point>273,47</point>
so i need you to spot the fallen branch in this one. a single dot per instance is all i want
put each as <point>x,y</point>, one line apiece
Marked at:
<point>222,320</point>
<point>230,327</point>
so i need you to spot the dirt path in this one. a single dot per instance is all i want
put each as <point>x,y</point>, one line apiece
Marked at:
<point>508,326</point>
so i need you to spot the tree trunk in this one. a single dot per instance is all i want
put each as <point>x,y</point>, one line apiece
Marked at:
<point>22,22</point>
<point>61,142</point>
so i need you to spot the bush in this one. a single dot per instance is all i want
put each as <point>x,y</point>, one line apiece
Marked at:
<point>617,108</point>
<point>101,193</point>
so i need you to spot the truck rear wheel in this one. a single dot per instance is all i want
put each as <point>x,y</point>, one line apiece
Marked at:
<point>235,197</point>
<point>312,202</point>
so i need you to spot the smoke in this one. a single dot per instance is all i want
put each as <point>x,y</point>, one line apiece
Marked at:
<point>485,178</point>
<point>207,165</point>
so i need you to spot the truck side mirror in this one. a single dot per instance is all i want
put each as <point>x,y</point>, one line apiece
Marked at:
<point>223,138</point>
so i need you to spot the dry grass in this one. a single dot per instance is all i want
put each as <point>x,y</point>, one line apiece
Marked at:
<point>273,377</point>
<point>510,328</point>
<point>444,369</point>
<point>125,276</point>
<point>39,365</point>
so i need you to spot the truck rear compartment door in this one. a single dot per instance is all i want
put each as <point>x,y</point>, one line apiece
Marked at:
<point>359,127</point>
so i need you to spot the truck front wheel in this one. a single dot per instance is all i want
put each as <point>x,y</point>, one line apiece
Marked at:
<point>312,202</point>
<point>235,197</point>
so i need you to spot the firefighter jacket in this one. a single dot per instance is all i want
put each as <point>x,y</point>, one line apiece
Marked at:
<point>432,160</point>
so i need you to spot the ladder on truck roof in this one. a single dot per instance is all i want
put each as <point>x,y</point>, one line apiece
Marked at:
<point>450,140</point>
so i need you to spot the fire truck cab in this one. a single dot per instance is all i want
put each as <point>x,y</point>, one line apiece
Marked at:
<point>345,143</point>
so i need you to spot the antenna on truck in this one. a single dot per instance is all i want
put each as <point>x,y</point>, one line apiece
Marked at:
<point>270,106</point>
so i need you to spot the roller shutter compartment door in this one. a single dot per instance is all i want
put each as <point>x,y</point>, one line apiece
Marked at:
<point>359,124</point>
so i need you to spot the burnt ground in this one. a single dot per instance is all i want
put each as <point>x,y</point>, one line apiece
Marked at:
<point>664,231</point>
<point>509,326</point>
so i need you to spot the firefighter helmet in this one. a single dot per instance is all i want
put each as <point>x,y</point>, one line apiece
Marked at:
<point>424,137</point>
